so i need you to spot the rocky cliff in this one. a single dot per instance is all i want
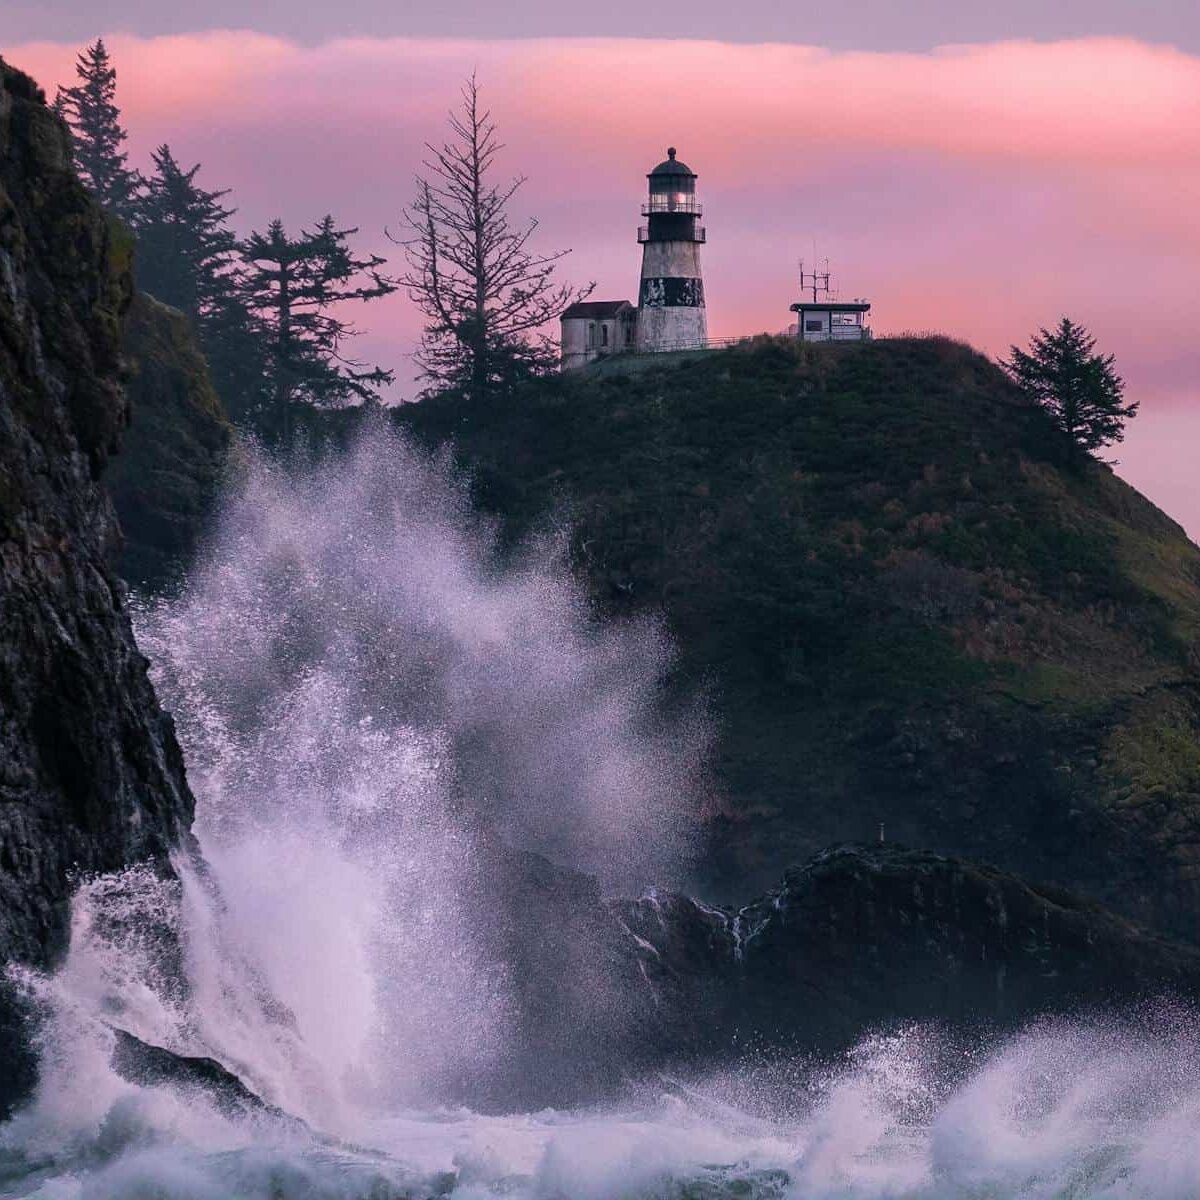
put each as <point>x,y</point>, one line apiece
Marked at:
<point>91,777</point>
<point>910,602</point>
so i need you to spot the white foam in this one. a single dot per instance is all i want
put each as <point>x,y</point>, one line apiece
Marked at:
<point>358,676</point>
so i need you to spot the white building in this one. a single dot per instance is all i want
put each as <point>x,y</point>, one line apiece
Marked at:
<point>670,314</point>
<point>592,329</point>
<point>823,319</point>
<point>832,320</point>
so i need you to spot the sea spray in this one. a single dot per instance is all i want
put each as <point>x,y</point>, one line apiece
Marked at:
<point>354,628</point>
<point>370,695</point>
<point>1064,1111</point>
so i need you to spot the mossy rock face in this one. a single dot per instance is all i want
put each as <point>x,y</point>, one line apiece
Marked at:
<point>165,479</point>
<point>91,777</point>
<point>912,603</point>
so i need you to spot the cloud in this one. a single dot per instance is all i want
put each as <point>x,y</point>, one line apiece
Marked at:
<point>978,190</point>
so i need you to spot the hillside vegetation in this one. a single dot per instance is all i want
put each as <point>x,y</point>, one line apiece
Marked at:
<point>165,479</point>
<point>910,602</point>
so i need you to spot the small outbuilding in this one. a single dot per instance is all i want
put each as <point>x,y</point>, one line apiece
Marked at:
<point>832,320</point>
<point>592,329</point>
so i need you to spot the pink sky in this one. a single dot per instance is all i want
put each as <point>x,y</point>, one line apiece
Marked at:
<point>975,190</point>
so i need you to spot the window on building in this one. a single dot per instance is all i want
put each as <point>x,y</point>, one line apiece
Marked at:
<point>591,336</point>
<point>604,334</point>
<point>629,333</point>
<point>813,324</point>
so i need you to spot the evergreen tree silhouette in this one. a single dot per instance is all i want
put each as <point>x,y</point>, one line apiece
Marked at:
<point>297,288</point>
<point>188,257</point>
<point>186,250</point>
<point>98,139</point>
<point>1078,387</point>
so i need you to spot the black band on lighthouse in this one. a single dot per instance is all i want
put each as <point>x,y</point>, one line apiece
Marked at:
<point>673,227</point>
<point>669,291</point>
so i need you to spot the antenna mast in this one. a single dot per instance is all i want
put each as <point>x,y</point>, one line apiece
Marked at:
<point>817,280</point>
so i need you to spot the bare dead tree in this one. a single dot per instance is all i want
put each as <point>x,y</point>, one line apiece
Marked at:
<point>486,293</point>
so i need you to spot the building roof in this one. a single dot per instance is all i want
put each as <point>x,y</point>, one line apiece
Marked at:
<point>832,306</point>
<point>672,166</point>
<point>593,310</point>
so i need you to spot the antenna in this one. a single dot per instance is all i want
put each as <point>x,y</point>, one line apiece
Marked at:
<point>817,280</point>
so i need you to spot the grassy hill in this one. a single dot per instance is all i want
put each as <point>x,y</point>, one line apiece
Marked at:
<point>911,604</point>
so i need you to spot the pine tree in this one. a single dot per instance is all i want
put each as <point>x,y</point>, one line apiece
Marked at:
<point>291,286</point>
<point>186,252</point>
<point>487,295</point>
<point>1078,387</point>
<point>91,112</point>
<point>235,345</point>
<point>187,256</point>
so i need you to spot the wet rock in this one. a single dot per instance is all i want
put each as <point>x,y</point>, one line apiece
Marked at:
<point>860,938</point>
<point>152,1066</point>
<point>91,777</point>
<point>864,936</point>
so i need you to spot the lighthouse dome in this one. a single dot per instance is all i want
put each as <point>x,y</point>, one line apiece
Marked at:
<point>672,166</point>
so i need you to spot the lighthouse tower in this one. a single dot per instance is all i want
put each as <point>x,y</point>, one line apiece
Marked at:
<point>671,314</point>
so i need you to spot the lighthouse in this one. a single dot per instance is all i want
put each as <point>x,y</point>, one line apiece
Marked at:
<point>671,313</point>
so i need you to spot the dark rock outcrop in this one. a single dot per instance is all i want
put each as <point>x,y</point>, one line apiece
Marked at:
<point>860,938</point>
<point>153,1066</point>
<point>593,1004</point>
<point>869,935</point>
<point>91,777</point>
<point>165,479</point>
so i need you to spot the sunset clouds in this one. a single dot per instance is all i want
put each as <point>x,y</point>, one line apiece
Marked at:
<point>975,190</point>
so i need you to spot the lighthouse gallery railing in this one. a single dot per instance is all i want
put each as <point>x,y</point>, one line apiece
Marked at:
<point>685,205</point>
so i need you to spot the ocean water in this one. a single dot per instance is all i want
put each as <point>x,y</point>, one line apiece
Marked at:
<point>367,688</point>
